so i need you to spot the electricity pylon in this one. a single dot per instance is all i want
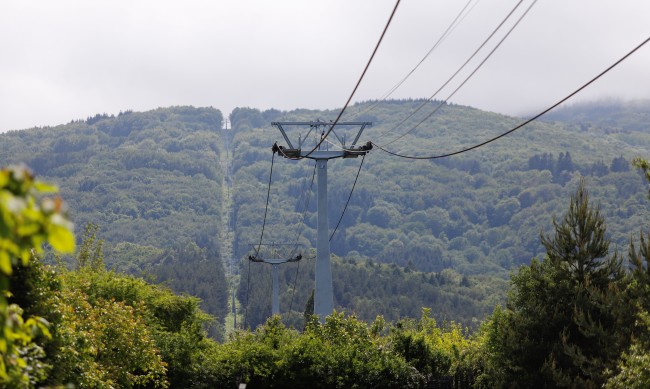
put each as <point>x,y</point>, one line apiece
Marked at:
<point>275,263</point>
<point>324,291</point>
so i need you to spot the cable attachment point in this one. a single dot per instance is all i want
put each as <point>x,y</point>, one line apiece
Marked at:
<point>366,147</point>
<point>253,258</point>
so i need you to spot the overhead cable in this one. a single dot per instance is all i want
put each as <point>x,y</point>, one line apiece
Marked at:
<point>248,290</point>
<point>466,79</point>
<point>257,250</point>
<point>266,208</point>
<point>304,211</point>
<point>358,82</point>
<point>444,35</point>
<point>295,283</point>
<point>349,197</point>
<point>527,121</point>
<point>496,29</point>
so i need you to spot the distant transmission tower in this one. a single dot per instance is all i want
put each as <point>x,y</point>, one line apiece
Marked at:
<point>275,263</point>
<point>324,291</point>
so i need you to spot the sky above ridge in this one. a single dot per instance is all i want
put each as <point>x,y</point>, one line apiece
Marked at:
<point>70,59</point>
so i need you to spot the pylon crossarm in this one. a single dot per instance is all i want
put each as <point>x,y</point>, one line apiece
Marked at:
<point>284,134</point>
<point>356,139</point>
<point>302,140</point>
<point>350,151</point>
<point>338,137</point>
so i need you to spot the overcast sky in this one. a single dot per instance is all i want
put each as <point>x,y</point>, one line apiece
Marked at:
<point>70,59</point>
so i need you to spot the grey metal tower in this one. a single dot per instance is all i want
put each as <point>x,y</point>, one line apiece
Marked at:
<point>324,291</point>
<point>275,263</point>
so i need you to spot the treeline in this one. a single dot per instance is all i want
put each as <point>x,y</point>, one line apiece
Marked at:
<point>366,289</point>
<point>609,115</point>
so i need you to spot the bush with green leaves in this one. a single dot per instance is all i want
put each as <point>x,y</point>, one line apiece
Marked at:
<point>343,352</point>
<point>28,220</point>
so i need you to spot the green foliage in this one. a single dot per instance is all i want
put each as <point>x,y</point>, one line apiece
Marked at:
<point>135,174</point>
<point>151,180</point>
<point>175,323</point>
<point>27,221</point>
<point>419,343</point>
<point>341,353</point>
<point>644,166</point>
<point>479,214</point>
<point>190,269</point>
<point>367,289</point>
<point>105,343</point>
<point>91,251</point>
<point>579,243</point>
<point>634,366</point>
<point>441,234</point>
<point>344,352</point>
<point>36,288</point>
<point>111,330</point>
<point>562,326</point>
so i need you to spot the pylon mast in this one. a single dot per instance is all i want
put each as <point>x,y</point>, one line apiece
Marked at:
<point>324,290</point>
<point>275,263</point>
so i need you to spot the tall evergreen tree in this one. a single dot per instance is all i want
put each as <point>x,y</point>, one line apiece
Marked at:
<point>561,324</point>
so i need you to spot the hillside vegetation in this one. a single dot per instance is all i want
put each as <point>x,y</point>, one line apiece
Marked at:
<point>474,217</point>
<point>162,193</point>
<point>152,183</point>
<point>442,233</point>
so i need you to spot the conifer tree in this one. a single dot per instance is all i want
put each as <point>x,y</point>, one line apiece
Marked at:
<point>563,314</point>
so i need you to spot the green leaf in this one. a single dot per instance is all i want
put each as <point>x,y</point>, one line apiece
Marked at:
<point>5,263</point>
<point>45,188</point>
<point>28,229</point>
<point>61,239</point>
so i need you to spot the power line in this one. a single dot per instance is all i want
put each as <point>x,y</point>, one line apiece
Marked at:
<point>358,82</point>
<point>248,290</point>
<point>257,250</point>
<point>484,60</point>
<point>527,121</point>
<point>444,35</point>
<point>349,197</point>
<point>304,214</point>
<point>496,29</point>
<point>266,208</point>
<point>304,211</point>
<point>295,283</point>
<point>468,77</point>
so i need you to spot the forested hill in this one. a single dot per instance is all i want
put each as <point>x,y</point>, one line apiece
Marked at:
<point>442,233</point>
<point>150,181</point>
<point>478,213</point>
<point>608,115</point>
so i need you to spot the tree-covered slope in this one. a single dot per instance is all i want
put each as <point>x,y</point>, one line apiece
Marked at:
<point>442,233</point>
<point>613,116</point>
<point>152,183</point>
<point>478,213</point>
